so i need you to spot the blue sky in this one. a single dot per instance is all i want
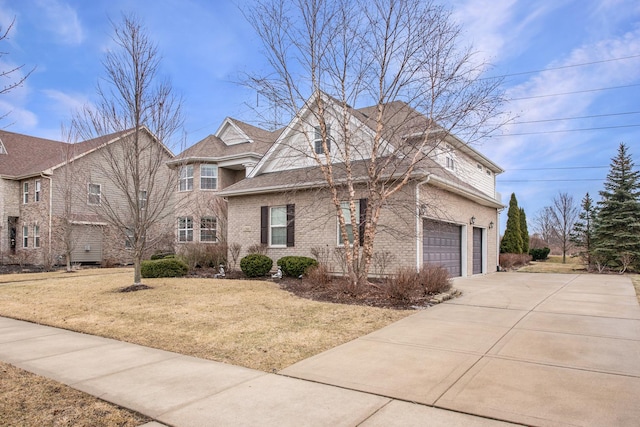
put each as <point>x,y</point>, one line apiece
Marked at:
<point>206,45</point>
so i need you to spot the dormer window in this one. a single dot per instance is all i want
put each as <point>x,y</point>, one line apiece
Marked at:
<point>451,164</point>
<point>317,140</point>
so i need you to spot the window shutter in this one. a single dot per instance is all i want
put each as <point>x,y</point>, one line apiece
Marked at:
<point>264,225</point>
<point>291,225</point>
<point>363,219</point>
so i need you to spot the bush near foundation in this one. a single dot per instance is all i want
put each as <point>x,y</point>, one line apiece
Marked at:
<point>407,284</point>
<point>296,266</point>
<point>256,265</point>
<point>167,267</point>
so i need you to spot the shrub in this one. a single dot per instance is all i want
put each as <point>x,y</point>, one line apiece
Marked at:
<point>256,265</point>
<point>162,255</point>
<point>434,279</point>
<point>257,248</point>
<point>170,267</point>
<point>296,266</point>
<point>408,284</point>
<point>508,261</point>
<point>318,275</point>
<point>539,254</point>
<point>203,254</point>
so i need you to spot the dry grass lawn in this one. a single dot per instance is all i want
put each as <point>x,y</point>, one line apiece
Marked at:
<point>554,265</point>
<point>29,400</point>
<point>248,323</point>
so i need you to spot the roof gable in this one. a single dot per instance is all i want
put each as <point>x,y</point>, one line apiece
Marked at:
<point>230,133</point>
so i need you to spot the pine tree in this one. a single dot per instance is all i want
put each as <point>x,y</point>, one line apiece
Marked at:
<point>525,231</point>
<point>582,233</point>
<point>512,239</point>
<point>617,231</point>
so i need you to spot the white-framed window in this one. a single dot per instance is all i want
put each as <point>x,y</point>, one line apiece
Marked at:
<point>451,164</point>
<point>208,226</point>
<point>142,199</point>
<point>36,236</point>
<point>186,178</point>
<point>278,226</point>
<point>208,177</point>
<point>346,212</point>
<point>488,172</point>
<point>317,139</point>
<point>25,193</point>
<point>94,194</point>
<point>185,229</point>
<point>38,187</point>
<point>25,236</point>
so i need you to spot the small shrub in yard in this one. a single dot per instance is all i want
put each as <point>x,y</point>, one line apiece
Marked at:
<point>434,279</point>
<point>408,284</point>
<point>296,266</point>
<point>540,254</point>
<point>169,267</point>
<point>508,261</point>
<point>319,275</point>
<point>256,265</point>
<point>162,255</point>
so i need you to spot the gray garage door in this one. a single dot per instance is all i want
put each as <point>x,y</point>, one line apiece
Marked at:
<point>477,250</point>
<point>442,245</point>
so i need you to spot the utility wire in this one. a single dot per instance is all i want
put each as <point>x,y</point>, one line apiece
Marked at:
<point>575,118</point>
<point>573,93</point>
<point>562,131</point>
<point>562,67</point>
<point>550,180</point>
<point>558,168</point>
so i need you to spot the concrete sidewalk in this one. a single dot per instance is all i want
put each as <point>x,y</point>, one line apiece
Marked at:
<point>535,349</point>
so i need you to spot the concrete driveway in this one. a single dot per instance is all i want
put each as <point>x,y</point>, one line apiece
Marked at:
<point>535,349</point>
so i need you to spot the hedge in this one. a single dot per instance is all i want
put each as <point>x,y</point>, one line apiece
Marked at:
<point>296,266</point>
<point>539,254</point>
<point>166,267</point>
<point>256,265</point>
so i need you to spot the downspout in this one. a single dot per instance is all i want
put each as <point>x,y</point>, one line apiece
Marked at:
<point>49,244</point>
<point>418,219</point>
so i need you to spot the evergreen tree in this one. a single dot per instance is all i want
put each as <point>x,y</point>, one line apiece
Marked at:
<point>512,239</point>
<point>582,233</point>
<point>525,231</point>
<point>617,231</point>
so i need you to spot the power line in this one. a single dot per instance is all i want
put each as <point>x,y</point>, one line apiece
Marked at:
<point>563,131</point>
<point>575,118</point>
<point>558,168</point>
<point>550,180</point>
<point>573,93</point>
<point>562,67</point>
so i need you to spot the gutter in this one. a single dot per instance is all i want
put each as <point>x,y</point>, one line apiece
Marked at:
<point>50,210</point>
<point>418,219</point>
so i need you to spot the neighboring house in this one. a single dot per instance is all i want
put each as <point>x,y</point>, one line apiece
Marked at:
<point>207,167</point>
<point>447,214</point>
<point>46,185</point>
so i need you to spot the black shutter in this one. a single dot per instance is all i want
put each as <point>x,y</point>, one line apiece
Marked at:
<point>362,219</point>
<point>291,225</point>
<point>264,225</point>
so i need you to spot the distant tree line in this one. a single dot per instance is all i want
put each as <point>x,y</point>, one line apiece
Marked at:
<point>604,233</point>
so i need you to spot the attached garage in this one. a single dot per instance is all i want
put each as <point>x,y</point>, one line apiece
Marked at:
<point>442,245</point>
<point>88,243</point>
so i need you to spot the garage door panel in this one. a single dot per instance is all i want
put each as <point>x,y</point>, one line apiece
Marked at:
<point>442,245</point>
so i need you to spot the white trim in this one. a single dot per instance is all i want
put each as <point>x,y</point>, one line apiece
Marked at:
<point>270,242</point>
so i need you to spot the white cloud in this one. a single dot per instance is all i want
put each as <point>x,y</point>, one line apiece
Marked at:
<point>66,102</point>
<point>62,20</point>
<point>13,116</point>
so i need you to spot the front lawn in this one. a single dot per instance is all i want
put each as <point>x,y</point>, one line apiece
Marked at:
<point>247,323</point>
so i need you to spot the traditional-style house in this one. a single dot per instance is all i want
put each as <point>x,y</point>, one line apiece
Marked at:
<point>206,168</point>
<point>447,213</point>
<point>51,194</point>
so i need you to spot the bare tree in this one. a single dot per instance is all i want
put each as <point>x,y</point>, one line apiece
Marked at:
<point>544,225</point>
<point>327,55</point>
<point>563,215</point>
<point>142,111</point>
<point>14,75</point>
